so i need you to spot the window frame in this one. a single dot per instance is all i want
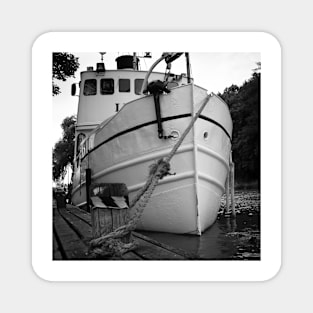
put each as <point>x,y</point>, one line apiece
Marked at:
<point>119,84</point>
<point>101,89</point>
<point>79,139</point>
<point>84,90</point>
<point>138,93</point>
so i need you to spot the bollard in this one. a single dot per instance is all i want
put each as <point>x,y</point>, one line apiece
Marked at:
<point>232,188</point>
<point>109,208</point>
<point>226,209</point>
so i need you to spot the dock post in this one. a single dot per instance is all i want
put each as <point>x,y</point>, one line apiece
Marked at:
<point>226,209</point>
<point>232,188</point>
<point>88,183</point>
<point>110,208</point>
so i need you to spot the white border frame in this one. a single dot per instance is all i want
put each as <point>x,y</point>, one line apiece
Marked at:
<point>270,263</point>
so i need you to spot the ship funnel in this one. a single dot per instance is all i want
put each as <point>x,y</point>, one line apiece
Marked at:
<point>126,61</point>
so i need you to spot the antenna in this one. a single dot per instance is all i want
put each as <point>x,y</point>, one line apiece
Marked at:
<point>102,54</point>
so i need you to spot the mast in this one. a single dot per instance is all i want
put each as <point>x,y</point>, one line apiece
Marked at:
<point>188,66</point>
<point>134,61</point>
<point>102,54</point>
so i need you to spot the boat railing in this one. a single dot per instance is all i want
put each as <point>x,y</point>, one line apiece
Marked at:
<point>168,57</point>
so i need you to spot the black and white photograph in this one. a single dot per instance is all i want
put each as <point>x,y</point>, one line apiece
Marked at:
<point>161,160</point>
<point>156,156</point>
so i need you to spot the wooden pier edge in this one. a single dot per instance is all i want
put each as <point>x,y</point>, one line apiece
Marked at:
<point>72,233</point>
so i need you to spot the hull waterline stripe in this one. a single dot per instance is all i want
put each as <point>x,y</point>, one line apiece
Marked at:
<point>211,180</point>
<point>216,123</point>
<point>135,161</point>
<point>213,154</point>
<point>171,179</point>
<point>81,204</point>
<point>165,180</point>
<point>142,159</point>
<point>165,119</point>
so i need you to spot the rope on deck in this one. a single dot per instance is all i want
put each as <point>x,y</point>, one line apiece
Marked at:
<point>111,244</point>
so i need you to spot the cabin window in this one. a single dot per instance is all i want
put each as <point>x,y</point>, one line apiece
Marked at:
<point>138,86</point>
<point>124,85</point>
<point>107,86</point>
<point>90,87</point>
<point>79,139</point>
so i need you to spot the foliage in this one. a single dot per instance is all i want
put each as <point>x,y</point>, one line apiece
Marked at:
<point>64,65</point>
<point>244,104</point>
<point>63,152</point>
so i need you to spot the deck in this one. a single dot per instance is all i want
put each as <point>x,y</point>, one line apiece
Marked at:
<point>72,233</point>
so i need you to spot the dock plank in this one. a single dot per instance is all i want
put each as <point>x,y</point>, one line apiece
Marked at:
<point>82,228</point>
<point>152,252</point>
<point>73,231</point>
<point>131,256</point>
<point>56,251</point>
<point>174,250</point>
<point>83,215</point>
<point>72,245</point>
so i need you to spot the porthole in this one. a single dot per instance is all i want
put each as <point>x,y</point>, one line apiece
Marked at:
<point>205,135</point>
<point>174,135</point>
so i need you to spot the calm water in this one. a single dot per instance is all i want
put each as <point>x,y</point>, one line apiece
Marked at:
<point>227,238</point>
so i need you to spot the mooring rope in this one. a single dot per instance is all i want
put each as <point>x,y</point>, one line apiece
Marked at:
<point>111,244</point>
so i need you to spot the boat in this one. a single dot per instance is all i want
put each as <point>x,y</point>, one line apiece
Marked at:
<point>128,119</point>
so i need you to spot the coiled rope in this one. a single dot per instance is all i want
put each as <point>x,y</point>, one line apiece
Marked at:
<point>111,244</point>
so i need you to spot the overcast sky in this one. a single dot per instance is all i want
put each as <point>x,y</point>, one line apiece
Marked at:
<point>212,71</point>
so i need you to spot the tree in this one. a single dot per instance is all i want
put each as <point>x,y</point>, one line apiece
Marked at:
<point>63,152</point>
<point>64,65</point>
<point>244,104</point>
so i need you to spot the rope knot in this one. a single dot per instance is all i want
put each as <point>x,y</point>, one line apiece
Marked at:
<point>111,247</point>
<point>161,168</point>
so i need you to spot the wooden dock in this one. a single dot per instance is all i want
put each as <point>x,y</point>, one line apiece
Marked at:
<point>72,232</point>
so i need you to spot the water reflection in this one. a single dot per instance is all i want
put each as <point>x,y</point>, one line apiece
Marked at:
<point>226,239</point>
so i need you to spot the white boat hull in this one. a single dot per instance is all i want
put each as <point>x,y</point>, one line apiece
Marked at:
<point>123,148</point>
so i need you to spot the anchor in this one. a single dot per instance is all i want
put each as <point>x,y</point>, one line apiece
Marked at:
<point>157,88</point>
